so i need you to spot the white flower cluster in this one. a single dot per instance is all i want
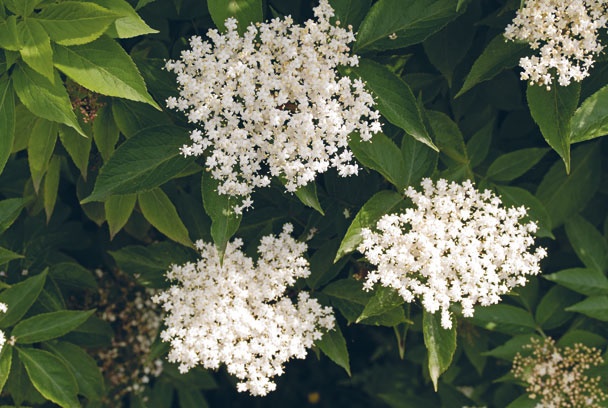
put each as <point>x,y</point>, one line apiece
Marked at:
<point>3,309</point>
<point>566,34</point>
<point>237,313</point>
<point>270,103</point>
<point>456,245</point>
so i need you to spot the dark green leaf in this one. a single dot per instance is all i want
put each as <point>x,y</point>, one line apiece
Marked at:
<point>419,160</point>
<point>383,300</point>
<point>245,12</point>
<point>75,23</point>
<point>498,55</point>
<point>6,358</point>
<point>118,209</point>
<point>20,297</point>
<point>158,209</point>
<point>7,119</point>
<point>504,319</point>
<point>591,119</point>
<point>350,12</point>
<point>380,204</point>
<point>322,267</point>
<point>381,154</point>
<point>105,132</point>
<point>128,24</point>
<point>564,195</point>
<point>133,117</point>
<point>103,66</point>
<point>588,243</point>
<point>392,24</point>
<point>594,306</point>
<point>516,196</point>
<point>92,333</point>
<point>7,256</point>
<point>40,149</point>
<point>145,161</point>
<point>552,110</point>
<point>512,346</point>
<point>51,186</point>
<point>83,366</point>
<point>73,275</point>
<point>36,48</point>
<point>220,208</point>
<point>586,281</point>
<point>440,344</point>
<point>550,312</point>
<point>308,196</point>
<point>47,326</point>
<point>78,148</point>
<point>191,398</point>
<point>448,137</point>
<point>333,345</point>
<point>43,98</point>
<point>51,377</point>
<point>581,336</point>
<point>478,145</point>
<point>514,164</point>
<point>9,36</point>
<point>9,211</point>
<point>394,99</point>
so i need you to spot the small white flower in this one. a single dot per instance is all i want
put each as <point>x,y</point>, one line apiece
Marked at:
<point>270,103</point>
<point>3,309</point>
<point>457,245</point>
<point>566,35</point>
<point>238,314</point>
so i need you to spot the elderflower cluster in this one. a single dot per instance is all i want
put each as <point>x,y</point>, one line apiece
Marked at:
<point>3,309</point>
<point>237,313</point>
<point>556,376</point>
<point>566,35</point>
<point>456,245</point>
<point>270,103</point>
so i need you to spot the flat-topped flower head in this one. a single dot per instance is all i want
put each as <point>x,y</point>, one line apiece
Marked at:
<point>237,313</point>
<point>556,376</point>
<point>456,245</point>
<point>270,102</point>
<point>3,309</point>
<point>566,34</point>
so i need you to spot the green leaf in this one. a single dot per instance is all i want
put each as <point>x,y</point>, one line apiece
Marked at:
<point>191,398</point>
<point>588,243</point>
<point>550,312</point>
<point>322,266</point>
<point>104,67</point>
<point>524,401</point>
<point>517,196</point>
<point>92,333</point>
<point>75,23</point>
<point>380,204</point>
<point>590,120</point>
<point>43,98</point>
<point>9,211</point>
<point>394,99</point>
<point>9,36</point>
<point>333,345</point>
<point>128,24</point>
<point>381,154</point>
<point>51,186</point>
<point>7,119</point>
<point>514,164</point>
<point>22,7</point>
<point>6,358</point>
<point>145,161</point>
<point>440,344</point>
<point>448,137</point>
<point>118,210</point>
<point>498,55</point>
<point>552,110</point>
<point>504,319</point>
<point>594,306</point>
<point>83,366</point>
<point>511,347</point>
<point>78,147</point>
<point>133,117</point>
<point>581,336</point>
<point>40,149</point>
<point>419,160</point>
<point>73,276</point>
<point>158,209</point>
<point>7,256</point>
<point>105,132</point>
<point>47,326</point>
<point>36,48</point>
<point>478,145</point>
<point>383,300</point>
<point>245,12</point>
<point>392,24</point>
<point>350,12</point>
<point>220,208</point>
<point>149,264</point>
<point>564,195</point>
<point>588,281</point>
<point>308,196</point>
<point>51,377</point>
<point>20,297</point>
